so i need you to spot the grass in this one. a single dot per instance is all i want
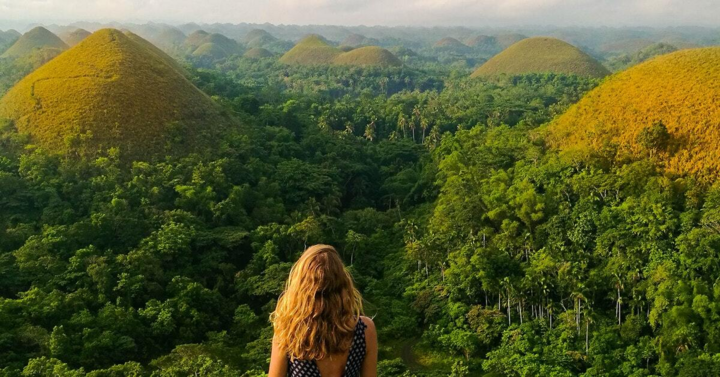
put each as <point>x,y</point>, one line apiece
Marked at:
<point>258,53</point>
<point>542,55</point>
<point>368,56</point>
<point>311,50</point>
<point>210,50</point>
<point>111,91</point>
<point>74,37</point>
<point>681,90</point>
<point>34,39</point>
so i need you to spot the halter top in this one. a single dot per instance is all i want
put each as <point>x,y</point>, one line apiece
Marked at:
<point>309,368</point>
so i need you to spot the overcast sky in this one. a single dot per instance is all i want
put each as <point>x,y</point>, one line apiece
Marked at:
<point>375,12</point>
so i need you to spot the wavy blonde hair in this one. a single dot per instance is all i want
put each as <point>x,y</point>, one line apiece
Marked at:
<point>316,314</point>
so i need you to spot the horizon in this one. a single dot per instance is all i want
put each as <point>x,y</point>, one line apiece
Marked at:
<point>356,13</point>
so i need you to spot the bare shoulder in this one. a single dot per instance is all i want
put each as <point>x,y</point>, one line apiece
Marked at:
<point>369,323</point>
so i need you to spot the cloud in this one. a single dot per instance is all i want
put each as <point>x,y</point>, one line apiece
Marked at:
<point>376,12</point>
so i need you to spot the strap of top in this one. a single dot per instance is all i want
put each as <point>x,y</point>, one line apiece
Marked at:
<point>353,365</point>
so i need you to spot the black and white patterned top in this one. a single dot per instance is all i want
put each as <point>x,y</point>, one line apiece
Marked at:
<point>308,368</point>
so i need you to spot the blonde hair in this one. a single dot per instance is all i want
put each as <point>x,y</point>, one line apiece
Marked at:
<point>316,314</point>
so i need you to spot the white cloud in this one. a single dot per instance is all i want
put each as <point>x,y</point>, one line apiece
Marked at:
<point>371,12</point>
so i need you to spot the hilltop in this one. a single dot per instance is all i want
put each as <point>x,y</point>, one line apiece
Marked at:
<point>215,46</point>
<point>258,53</point>
<point>35,39</point>
<point>258,38</point>
<point>368,56</point>
<point>448,43</point>
<point>74,37</point>
<point>7,38</point>
<point>169,38</point>
<point>541,55</point>
<point>509,39</point>
<point>668,107</point>
<point>124,94</point>
<point>355,40</point>
<point>311,50</point>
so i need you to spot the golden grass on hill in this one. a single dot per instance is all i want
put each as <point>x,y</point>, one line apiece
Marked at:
<point>681,90</point>
<point>151,48</point>
<point>541,55</point>
<point>368,56</point>
<point>74,37</point>
<point>258,53</point>
<point>34,39</point>
<point>111,91</point>
<point>311,50</point>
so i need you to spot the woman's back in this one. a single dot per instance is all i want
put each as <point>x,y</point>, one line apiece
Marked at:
<point>348,364</point>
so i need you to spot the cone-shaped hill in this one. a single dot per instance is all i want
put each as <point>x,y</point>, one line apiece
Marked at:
<point>368,56</point>
<point>33,40</point>
<point>7,38</point>
<point>542,55</point>
<point>169,38</point>
<point>667,107</point>
<point>111,91</point>
<point>355,40</point>
<point>258,53</point>
<point>157,52</point>
<point>258,38</point>
<point>74,37</point>
<point>450,44</point>
<point>311,50</point>
<point>215,46</point>
<point>507,40</point>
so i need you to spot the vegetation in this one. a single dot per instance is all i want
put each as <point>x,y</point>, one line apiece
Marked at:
<point>104,102</point>
<point>676,90</point>
<point>485,241</point>
<point>311,50</point>
<point>368,56</point>
<point>623,62</point>
<point>35,39</point>
<point>541,55</point>
<point>74,37</point>
<point>7,38</point>
<point>258,53</point>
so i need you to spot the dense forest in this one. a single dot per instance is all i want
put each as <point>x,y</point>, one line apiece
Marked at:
<point>479,249</point>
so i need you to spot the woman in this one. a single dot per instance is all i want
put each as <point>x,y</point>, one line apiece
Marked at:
<point>319,330</point>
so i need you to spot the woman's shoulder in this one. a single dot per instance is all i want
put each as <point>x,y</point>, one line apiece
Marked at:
<point>368,322</point>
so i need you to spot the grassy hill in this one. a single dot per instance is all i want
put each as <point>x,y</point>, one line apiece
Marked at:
<point>215,46</point>
<point>258,38</point>
<point>368,56</point>
<point>355,40</point>
<point>311,50</point>
<point>151,48</point>
<point>74,37</point>
<point>168,39</point>
<point>681,91</point>
<point>508,39</point>
<point>258,53</point>
<point>7,38</point>
<point>627,46</point>
<point>37,38</point>
<point>210,50</point>
<point>111,91</point>
<point>450,44</point>
<point>541,55</point>
<point>619,63</point>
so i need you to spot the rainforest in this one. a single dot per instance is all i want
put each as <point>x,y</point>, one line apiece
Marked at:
<point>509,203</point>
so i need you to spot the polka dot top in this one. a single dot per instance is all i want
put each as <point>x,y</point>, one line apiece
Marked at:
<point>308,368</point>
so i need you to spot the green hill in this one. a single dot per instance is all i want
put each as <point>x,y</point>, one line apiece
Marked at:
<point>210,50</point>
<point>450,44</point>
<point>196,39</point>
<point>258,53</point>
<point>258,38</point>
<point>37,38</point>
<point>218,46</point>
<point>508,39</point>
<point>627,46</point>
<point>679,92</point>
<point>168,39</point>
<point>368,56</point>
<point>356,40</point>
<point>111,91</point>
<point>74,37</point>
<point>541,55</point>
<point>7,38</point>
<point>311,50</point>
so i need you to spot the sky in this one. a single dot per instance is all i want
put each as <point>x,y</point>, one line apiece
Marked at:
<point>374,12</point>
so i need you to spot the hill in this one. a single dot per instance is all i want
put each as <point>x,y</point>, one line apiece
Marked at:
<point>450,44</point>
<point>679,92</point>
<point>210,50</point>
<point>37,38</point>
<point>7,38</point>
<point>196,39</point>
<point>169,38</point>
<point>258,38</point>
<point>74,37</point>
<point>509,39</point>
<point>258,53</point>
<point>622,62</point>
<point>122,95</point>
<point>203,44</point>
<point>541,55</point>
<point>355,40</point>
<point>368,56</point>
<point>627,46</point>
<point>311,50</point>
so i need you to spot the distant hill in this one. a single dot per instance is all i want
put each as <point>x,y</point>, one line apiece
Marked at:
<point>368,56</point>
<point>508,39</point>
<point>35,39</point>
<point>74,37</point>
<point>168,39</point>
<point>311,50</point>
<point>355,40</point>
<point>541,55</point>
<point>667,107</point>
<point>627,46</point>
<point>258,53</point>
<point>450,44</point>
<point>619,63</point>
<point>258,38</point>
<point>215,46</point>
<point>7,38</point>
<point>111,91</point>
